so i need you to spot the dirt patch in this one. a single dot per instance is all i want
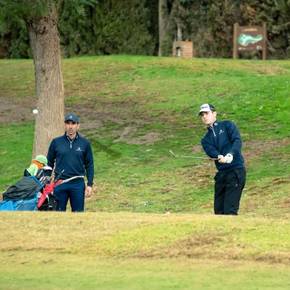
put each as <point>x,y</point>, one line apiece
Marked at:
<point>16,111</point>
<point>93,117</point>
<point>199,175</point>
<point>285,203</point>
<point>253,149</point>
<point>197,149</point>
<point>195,246</point>
<point>268,188</point>
<point>118,112</point>
<point>126,120</point>
<point>211,246</point>
<point>274,258</point>
<point>127,136</point>
<point>269,199</point>
<point>127,115</point>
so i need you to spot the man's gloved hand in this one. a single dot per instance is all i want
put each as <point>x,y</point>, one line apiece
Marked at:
<point>229,158</point>
<point>221,159</point>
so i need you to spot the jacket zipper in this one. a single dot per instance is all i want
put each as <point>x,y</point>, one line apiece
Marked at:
<point>213,131</point>
<point>70,142</point>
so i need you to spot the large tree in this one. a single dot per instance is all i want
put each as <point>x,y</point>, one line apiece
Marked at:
<point>44,40</point>
<point>41,19</point>
<point>163,16</point>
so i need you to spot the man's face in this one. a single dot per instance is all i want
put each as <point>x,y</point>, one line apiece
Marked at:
<point>71,128</point>
<point>208,118</point>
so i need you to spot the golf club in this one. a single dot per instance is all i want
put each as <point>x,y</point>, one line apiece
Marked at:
<point>191,157</point>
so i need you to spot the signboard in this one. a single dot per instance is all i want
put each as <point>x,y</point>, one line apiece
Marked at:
<point>249,38</point>
<point>183,49</point>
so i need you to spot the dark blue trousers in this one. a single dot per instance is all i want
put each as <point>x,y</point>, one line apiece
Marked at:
<point>74,191</point>
<point>229,185</point>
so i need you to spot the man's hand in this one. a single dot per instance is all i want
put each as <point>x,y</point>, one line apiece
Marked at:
<point>221,159</point>
<point>88,191</point>
<point>229,158</point>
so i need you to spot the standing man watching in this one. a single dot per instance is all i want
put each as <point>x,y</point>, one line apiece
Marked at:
<point>223,143</point>
<point>71,156</point>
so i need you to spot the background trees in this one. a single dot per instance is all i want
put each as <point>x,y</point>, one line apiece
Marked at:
<point>106,27</point>
<point>149,26</point>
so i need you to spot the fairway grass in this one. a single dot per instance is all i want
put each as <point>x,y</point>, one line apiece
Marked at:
<point>149,223</point>
<point>75,272</point>
<point>142,251</point>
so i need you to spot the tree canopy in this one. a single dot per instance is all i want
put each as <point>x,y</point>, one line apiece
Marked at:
<point>133,26</point>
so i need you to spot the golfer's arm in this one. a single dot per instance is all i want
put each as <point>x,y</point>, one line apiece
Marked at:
<point>235,139</point>
<point>51,155</point>
<point>90,166</point>
<point>210,150</point>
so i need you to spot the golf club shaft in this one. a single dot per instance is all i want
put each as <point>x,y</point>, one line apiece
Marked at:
<point>191,157</point>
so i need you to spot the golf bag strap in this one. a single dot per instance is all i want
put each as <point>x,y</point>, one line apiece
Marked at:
<point>72,178</point>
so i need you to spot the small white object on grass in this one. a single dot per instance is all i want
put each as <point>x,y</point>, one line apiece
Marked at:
<point>35,111</point>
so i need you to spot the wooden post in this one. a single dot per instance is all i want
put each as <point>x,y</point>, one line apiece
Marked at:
<point>235,44</point>
<point>264,53</point>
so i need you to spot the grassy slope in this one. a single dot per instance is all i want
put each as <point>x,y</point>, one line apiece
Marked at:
<point>136,109</point>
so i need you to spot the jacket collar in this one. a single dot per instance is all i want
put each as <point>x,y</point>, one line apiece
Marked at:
<point>213,125</point>
<point>69,139</point>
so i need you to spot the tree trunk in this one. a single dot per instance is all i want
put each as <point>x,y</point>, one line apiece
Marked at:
<point>179,32</point>
<point>45,46</point>
<point>162,21</point>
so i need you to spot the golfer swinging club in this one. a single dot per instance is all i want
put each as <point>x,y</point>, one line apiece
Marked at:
<point>223,141</point>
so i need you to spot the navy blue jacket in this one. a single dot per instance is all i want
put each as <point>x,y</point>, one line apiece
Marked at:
<point>223,138</point>
<point>73,157</point>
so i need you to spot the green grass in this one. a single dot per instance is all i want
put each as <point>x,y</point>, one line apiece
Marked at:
<point>15,149</point>
<point>135,109</point>
<point>143,251</point>
<point>137,275</point>
<point>149,223</point>
<point>165,274</point>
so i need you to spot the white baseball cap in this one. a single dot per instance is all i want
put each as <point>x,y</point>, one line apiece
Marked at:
<point>206,108</point>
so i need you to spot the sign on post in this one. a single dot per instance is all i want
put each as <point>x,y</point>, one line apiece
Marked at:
<point>249,38</point>
<point>183,49</point>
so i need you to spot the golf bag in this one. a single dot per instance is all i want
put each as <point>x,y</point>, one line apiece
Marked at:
<point>23,195</point>
<point>47,200</point>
